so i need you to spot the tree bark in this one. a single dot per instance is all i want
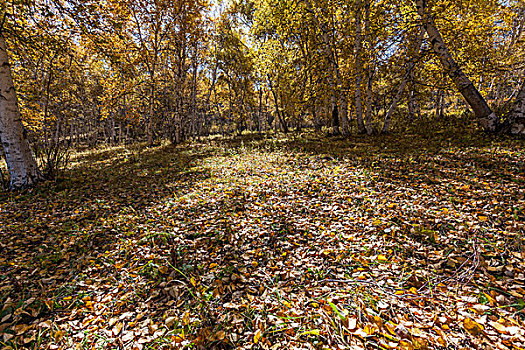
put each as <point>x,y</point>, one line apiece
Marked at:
<point>23,169</point>
<point>335,84</point>
<point>486,117</point>
<point>411,106</point>
<point>359,69</point>
<point>369,72</point>
<point>408,73</point>
<point>516,120</point>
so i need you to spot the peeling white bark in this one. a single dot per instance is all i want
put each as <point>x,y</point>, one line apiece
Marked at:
<point>21,164</point>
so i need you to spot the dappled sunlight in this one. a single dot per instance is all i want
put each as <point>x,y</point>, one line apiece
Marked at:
<point>224,244</point>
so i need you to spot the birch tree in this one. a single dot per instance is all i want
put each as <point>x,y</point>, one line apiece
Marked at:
<point>22,166</point>
<point>515,124</point>
<point>359,68</point>
<point>484,114</point>
<point>412,51</point>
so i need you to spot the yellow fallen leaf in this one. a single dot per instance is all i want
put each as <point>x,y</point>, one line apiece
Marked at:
<point>404,345</point>
<point>369,329</point>
<point>59,335</point>
<point>489,297</point>
<point>257,336</point>
<point>382,258</point>
<point>178,338</point>
<point>442,341</point>
<point>420,344</point>
<point>472,326</point>
<point>391,327</point>
<point>416,332</point>
<point>312,332</point>
<point>483,218</point>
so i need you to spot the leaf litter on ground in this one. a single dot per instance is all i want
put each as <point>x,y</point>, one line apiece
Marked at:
<point>271,243</point>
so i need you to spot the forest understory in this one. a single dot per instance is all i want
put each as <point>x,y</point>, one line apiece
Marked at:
<point>410,241</point>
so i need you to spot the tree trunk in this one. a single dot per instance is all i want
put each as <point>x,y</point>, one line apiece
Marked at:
<point>21,163</point>
<point>344,114</point>
<point>150,122</point>
<point>486,118</point>
<point>336,84</point>
<point>516,120</point>
<point>359,70</point>
<point>411,106</point>
<point>438,104</point>
<point>369,72</point>
<point>194,93</point>
<point>408,73</point>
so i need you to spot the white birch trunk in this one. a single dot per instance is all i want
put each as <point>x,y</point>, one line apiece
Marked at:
<point>359,69</point>
<point>21,164</point>
<point>486,118</point>
<point>410,66</point>
<point>517,115</point>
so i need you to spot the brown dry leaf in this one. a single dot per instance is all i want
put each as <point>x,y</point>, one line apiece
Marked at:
<point>498,326</point>
<point>117,328</point>
<point>127,336</point>
<point>170,321</point>
<point>220,335</point>
<point>472,326</point>
<point>186,319</point>
<point>59,335</point>
<point>21,329</point>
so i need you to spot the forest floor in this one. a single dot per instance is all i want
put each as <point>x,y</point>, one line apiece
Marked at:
<point>305,242</point>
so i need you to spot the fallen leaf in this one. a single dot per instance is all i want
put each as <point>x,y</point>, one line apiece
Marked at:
<point>472,326</point>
